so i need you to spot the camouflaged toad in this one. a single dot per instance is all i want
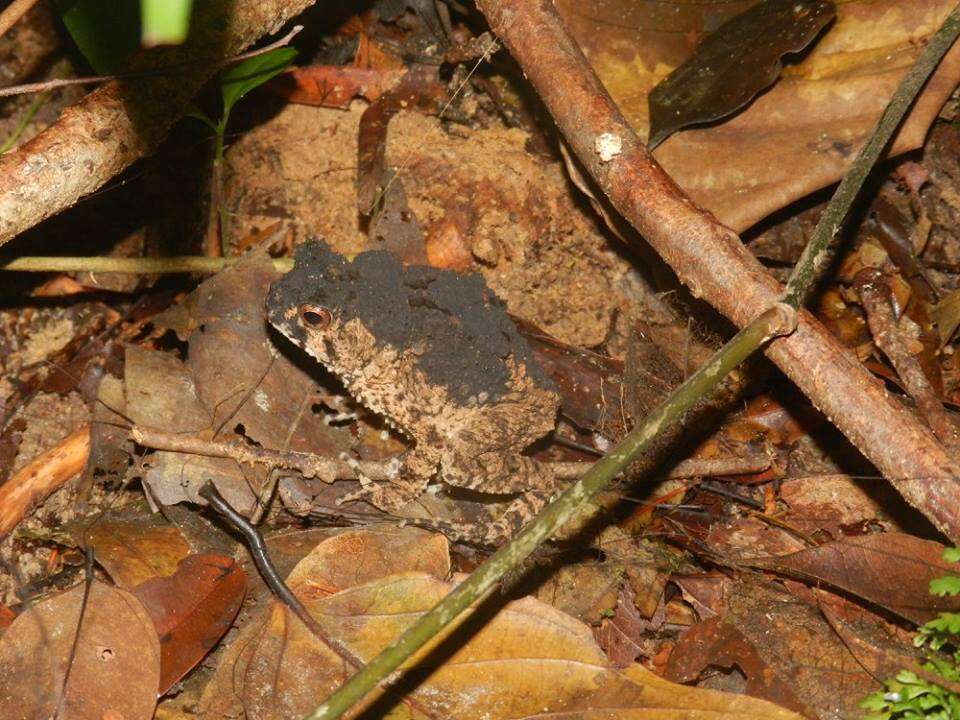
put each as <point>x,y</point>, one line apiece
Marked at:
<point>435,354</point>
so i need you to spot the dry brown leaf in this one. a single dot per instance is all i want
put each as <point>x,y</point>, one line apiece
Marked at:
<point>358,556</point>
<point>796,138</point>
<point>893,570</point>
<point>134,548</point>
<point>529,659</point>
<point>115,671</point>
<point>787,651</point>
<point>191,610</point>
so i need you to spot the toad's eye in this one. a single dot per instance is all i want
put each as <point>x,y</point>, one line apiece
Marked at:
<point>316,316</point>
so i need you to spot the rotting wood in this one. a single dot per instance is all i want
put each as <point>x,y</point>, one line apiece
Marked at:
<point>124,121</point>
<point>710,259</point>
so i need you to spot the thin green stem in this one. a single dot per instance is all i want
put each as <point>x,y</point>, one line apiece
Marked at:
<point>776,321</point>
<point>31,110</point>
<point>815,255</point>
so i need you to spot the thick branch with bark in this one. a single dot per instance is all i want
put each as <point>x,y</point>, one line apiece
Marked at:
<point>125,120</point>
<point>710,259</point>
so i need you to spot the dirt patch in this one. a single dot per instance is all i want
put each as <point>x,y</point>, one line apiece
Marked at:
<point>513,213</point>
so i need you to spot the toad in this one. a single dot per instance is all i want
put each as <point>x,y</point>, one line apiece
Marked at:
<point>436,355</point>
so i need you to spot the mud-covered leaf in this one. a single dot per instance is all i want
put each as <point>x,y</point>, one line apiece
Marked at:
<point>191,610</point>
<point>115,670</point>
<point>741,58</point>
<point>893,570</point>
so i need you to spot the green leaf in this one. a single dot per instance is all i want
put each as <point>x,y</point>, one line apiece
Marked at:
<point>105,31</point>
<point>197,114</point>
<point>947,585</point>
<point>951,554</point>
<point>164,22</point>
<point>243,77</point>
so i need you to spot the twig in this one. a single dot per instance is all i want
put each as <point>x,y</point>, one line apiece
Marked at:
<point>776,321</point>
<point>48,85</point>
<point>535,35</point>
<point>330,469</point>
<point>84,603</point>
<point>13,12</point>
<point>716,266</point>
<point>135,266</point>
<point>887,334</point>
<point>43,475</point>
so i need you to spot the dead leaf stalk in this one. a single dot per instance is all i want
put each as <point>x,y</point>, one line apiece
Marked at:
<point>890,337</point>
<point>41,477</point>
<point>330,469</point>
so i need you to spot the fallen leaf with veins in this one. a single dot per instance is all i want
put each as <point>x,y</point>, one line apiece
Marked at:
<point>191,610</point>
<point>787,651</point>
<point>893,570</point>
<point>115,671</point>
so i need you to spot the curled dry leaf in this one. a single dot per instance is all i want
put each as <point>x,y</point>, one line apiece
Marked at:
<point>114,673</point>
<point>893,570</point>
<point>529,659</point>
<point>799,136</point>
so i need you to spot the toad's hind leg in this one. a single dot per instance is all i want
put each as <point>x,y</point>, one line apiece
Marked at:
<point>499,474</point>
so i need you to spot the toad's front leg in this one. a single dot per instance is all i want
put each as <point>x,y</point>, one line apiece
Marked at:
<point>411,479</point>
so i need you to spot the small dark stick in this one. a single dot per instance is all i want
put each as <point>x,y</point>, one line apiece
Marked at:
<point>261,558</point>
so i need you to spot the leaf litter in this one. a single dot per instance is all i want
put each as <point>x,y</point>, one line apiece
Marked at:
<point>707,583</point>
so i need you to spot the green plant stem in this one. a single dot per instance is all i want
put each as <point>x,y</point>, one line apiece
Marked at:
<point>779,320</point>
<point>811,265</point>
<point>816,253</point>
<point>31,110</point>
<point>134,266</point>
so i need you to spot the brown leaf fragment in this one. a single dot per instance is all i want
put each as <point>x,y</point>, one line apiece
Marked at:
<point>358,556</point>
<point>191,610</point>
<point>133,547</point>
<point>734,63</point>
<point>783,646</point>
<point>893,570</point>
<point>115,669</point>
<point>333,86</point>
<point>587,591</point>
